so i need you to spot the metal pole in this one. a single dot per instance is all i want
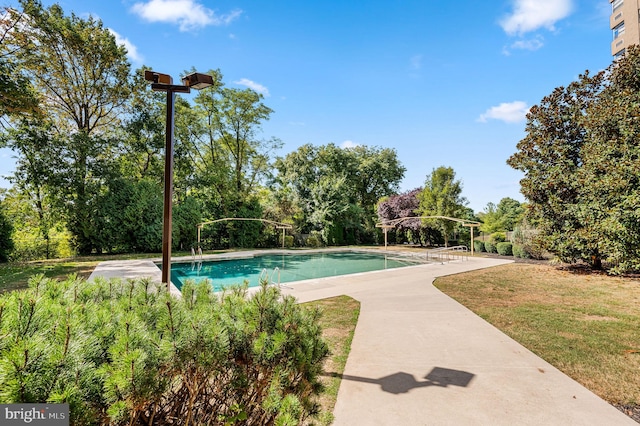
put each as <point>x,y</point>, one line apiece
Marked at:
<point>168,192</point>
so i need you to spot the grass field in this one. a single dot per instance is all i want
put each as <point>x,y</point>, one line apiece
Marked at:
<point>15,276</point>
<point>339,319</point>
<point>587,325</point>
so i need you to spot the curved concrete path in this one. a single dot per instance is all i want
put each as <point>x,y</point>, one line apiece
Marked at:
<point>420,358</point>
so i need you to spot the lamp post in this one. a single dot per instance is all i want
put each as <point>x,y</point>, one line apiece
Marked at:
<point>164,83</point>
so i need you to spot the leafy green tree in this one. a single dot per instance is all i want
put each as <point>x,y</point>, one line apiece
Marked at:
<point>28,227</point>
<point>221,157</point>
<point>503,217</point>
<point>186,215</point>
<point>580,159</point>
<point>551,155</point>
<point>81,77</point>
<point>337,189</point>
<point>16,93</point>
<point>129,216</point>
<point>33,179</point>
<point>442,196</point>
<point>142,136</point>
<point>6,238</point>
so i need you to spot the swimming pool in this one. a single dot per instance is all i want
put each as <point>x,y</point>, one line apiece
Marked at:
<point>291,267</point>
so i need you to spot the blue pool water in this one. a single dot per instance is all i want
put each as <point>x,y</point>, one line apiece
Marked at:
<point>224,273</point>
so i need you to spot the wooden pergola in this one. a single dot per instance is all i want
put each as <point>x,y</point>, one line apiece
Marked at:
<point>278,225</point>
<point>393,223</point>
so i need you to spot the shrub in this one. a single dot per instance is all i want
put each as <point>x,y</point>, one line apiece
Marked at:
<point>520,252</point>
<point>529,239</point>
<point>478,246</point>
<point>490,247</point>
<point>288,240</point>
<point>498,237</point>
<point>129,353</point>
<point>314,240</point>
<point>504,249</point>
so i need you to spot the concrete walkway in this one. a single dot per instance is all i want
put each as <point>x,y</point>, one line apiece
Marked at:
<point>420,358</point>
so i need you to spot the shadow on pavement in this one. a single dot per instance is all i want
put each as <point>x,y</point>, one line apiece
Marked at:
<point>402,382</point>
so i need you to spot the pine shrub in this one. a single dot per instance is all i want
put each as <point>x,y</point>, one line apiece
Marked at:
<point>129,353</point>
<point>478,246</point>
<point>504,249</point>
<point>490,247</point>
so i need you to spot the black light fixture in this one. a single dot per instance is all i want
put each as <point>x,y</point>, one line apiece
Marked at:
<point>164,83</point>
<point>197,81</point>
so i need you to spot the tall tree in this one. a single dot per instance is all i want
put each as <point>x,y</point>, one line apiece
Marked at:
<point>503,217</point>
<point>81,77</point>
<point>16,93</point>
<point>442,196</point>
<point>6,237</point>
<point>580,156</point>
<point>337,189</point>
<point>34,176</point>
<point>223,138</point>
<point>221,156</point>
<point>551,155</point>
<point>142,136</point>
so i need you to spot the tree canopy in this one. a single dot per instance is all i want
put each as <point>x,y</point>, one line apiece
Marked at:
<point>581,157</point>
<point>502,217</point>
<point>442,196</point>
<point>337,189</point>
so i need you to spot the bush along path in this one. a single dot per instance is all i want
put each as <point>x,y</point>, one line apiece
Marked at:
<point>129,353</point>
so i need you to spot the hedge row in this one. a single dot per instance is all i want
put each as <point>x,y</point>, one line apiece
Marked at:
<point>501,248</point>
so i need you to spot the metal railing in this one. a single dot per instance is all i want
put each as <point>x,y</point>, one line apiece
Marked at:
<point>195,254</point>
<point>448,254</point>
<point>264,276</point>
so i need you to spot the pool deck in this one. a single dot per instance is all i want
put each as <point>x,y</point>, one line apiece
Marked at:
<point>420,358</point>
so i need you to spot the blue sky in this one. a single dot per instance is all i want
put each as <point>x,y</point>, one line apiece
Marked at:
<point>444,83</point>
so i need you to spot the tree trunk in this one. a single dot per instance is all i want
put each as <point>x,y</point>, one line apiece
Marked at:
<point>596,262</point>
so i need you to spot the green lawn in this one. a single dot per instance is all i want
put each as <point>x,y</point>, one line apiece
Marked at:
<point>339,319</point>
<point>15,276</point>
<point>586,325</point>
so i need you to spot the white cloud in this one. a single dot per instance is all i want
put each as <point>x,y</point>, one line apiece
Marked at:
<point>349,144</point>
<point>510,112</point>
<point>416,62</point>
<point>189,14</point>
<point>530,15</point>
<point>531,44</point>
<point>132,50</point>
<point>253,85</point>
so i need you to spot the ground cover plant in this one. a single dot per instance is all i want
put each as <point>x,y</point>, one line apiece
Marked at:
<point>584,324</point>
<point>129,353</point>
